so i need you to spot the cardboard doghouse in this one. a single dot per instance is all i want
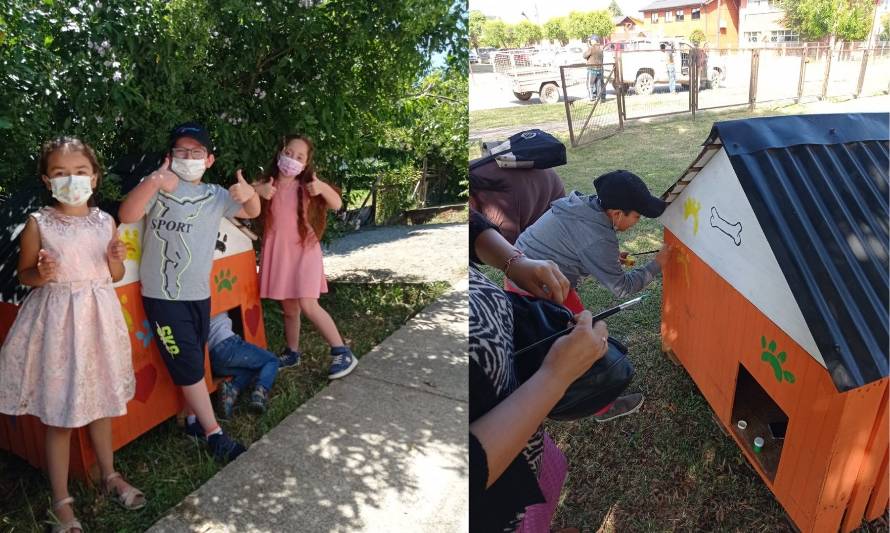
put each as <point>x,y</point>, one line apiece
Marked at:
<point>776,303</point>
<point>234,288</point>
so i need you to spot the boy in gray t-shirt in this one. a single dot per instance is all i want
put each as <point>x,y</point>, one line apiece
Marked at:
<point>182,218</point>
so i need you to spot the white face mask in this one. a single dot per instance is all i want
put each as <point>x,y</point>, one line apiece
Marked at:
<point>72,190</point>
<point>188,169</point>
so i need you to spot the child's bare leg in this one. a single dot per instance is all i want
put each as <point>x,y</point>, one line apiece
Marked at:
<point>100,435</point>
<point>322,321</point>
<point>292,310</point>
<point>58,452</point>
<point>197,399</point>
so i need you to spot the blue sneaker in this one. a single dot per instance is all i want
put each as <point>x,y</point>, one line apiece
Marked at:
<point>223,448</point>
<point>227,395</point>
<point>342,363</point>
<point>194,429</point>
<point>289,358</point>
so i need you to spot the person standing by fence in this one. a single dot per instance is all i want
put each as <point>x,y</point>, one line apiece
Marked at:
<point>671,68</point>
<point>594,56</point>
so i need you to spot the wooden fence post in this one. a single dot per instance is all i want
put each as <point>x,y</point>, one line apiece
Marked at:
<point>827,73</point>
<point>803,74</point>
<point>752,85</point>
<point>862,72</point>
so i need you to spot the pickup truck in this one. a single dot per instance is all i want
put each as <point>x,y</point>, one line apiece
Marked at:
<point>643,65</point>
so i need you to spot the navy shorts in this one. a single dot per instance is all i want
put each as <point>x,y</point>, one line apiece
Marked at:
<point>181,330</point>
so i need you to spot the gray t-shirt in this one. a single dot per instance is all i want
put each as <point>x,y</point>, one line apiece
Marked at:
<point>180,235</point>
<point>220,330</point>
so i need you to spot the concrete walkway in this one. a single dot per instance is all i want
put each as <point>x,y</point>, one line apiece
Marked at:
<point>383,449</point>
<point>412,254</point>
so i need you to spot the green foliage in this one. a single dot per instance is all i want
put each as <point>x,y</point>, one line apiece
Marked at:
<point>477,23</point>
<point>527,33</point>
<point>494,33</point>
<point>697,37</point>
<point>582,25</point>
<point>850,20</point>
<point>120,74</point>
<point>556,29</point>
<point>394,193</point>
<point>615,9</point>
<point>883,36</point>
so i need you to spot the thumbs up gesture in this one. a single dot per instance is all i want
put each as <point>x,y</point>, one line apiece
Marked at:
<point>166,179</point>
<point>241,191</point>
<point>117,250</point>
<point>266,190</point>
<point>47,264</point>
<point>314,186</point>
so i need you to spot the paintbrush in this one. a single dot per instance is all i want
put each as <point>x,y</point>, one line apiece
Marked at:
<point>601,316</point>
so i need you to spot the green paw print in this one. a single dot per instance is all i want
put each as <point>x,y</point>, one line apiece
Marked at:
<point>224,280</point>
<point>775,360</point>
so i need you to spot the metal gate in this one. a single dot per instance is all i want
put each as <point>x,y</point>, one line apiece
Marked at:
<point>591,116</point>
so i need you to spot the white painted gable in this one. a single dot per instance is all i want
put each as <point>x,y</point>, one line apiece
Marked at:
<point>729,239</point>
<point>231,241</point>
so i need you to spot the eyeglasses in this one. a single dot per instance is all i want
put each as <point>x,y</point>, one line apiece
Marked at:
<point>195,153</point>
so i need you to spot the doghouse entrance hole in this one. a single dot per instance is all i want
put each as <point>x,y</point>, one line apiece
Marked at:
<point>753,405</point>
<point>237,323</point>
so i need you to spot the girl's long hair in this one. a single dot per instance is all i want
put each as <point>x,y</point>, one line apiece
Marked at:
<point>317,211</point>
<point>69,144</point>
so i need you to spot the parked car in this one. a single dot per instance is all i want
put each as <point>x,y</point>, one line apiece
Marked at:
<point>643,65</point>
<point>572,54</point>
<point>485,54</point>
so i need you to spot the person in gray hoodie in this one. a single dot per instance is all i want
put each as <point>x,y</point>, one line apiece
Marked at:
<point>579,234</point>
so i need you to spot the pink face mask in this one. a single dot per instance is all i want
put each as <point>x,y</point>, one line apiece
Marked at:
<point>288,166</point>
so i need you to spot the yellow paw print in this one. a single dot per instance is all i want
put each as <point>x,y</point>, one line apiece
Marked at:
<point>691,208</point>
<point>128,318</point>
<point>130,238</point>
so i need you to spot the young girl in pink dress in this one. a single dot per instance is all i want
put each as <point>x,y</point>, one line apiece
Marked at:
<point>66,358</point>
<point>295,204</point>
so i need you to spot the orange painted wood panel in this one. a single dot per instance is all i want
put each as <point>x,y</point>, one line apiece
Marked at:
<point>875,454</point>
<point>713,329</point>
<point>880,496</point>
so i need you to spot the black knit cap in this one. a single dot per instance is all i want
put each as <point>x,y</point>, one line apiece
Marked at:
<point>621,189</point>
<point>192,130</point>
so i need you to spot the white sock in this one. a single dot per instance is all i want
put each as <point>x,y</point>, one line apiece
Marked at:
<point>214,432</point>
<point>191,419</point>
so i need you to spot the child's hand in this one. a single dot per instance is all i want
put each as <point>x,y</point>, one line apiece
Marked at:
<point>266,190</point>
<point>314,186</point>
<point>47,264</point>
<point>166,179</point>
<point>117,250</point>
<point>241,191</point>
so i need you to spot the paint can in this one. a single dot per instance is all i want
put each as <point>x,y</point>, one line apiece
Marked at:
<point>758,444</point>
<point>742,425</point>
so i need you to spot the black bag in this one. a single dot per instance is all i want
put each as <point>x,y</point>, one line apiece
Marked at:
<point>535,319</point>
<point>527,149</point>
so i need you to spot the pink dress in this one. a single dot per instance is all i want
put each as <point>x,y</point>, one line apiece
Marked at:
<point>290,268</point>
<point>66,358</point>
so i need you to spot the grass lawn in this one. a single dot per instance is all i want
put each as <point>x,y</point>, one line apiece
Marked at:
<point>668,467</point>
<point>167,465</point>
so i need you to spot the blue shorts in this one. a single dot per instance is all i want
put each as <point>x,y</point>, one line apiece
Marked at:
<point>181,329</point>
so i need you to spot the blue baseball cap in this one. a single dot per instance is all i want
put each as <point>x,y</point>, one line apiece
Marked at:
<point>193,130</point>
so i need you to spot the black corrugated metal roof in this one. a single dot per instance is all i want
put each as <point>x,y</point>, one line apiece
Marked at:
<point>818,185</point>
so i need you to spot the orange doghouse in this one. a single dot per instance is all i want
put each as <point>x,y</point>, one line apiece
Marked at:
<point>776,303</point>
<point>234,288</point>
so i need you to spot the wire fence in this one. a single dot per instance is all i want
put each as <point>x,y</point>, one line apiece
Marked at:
<point>642,84</point>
